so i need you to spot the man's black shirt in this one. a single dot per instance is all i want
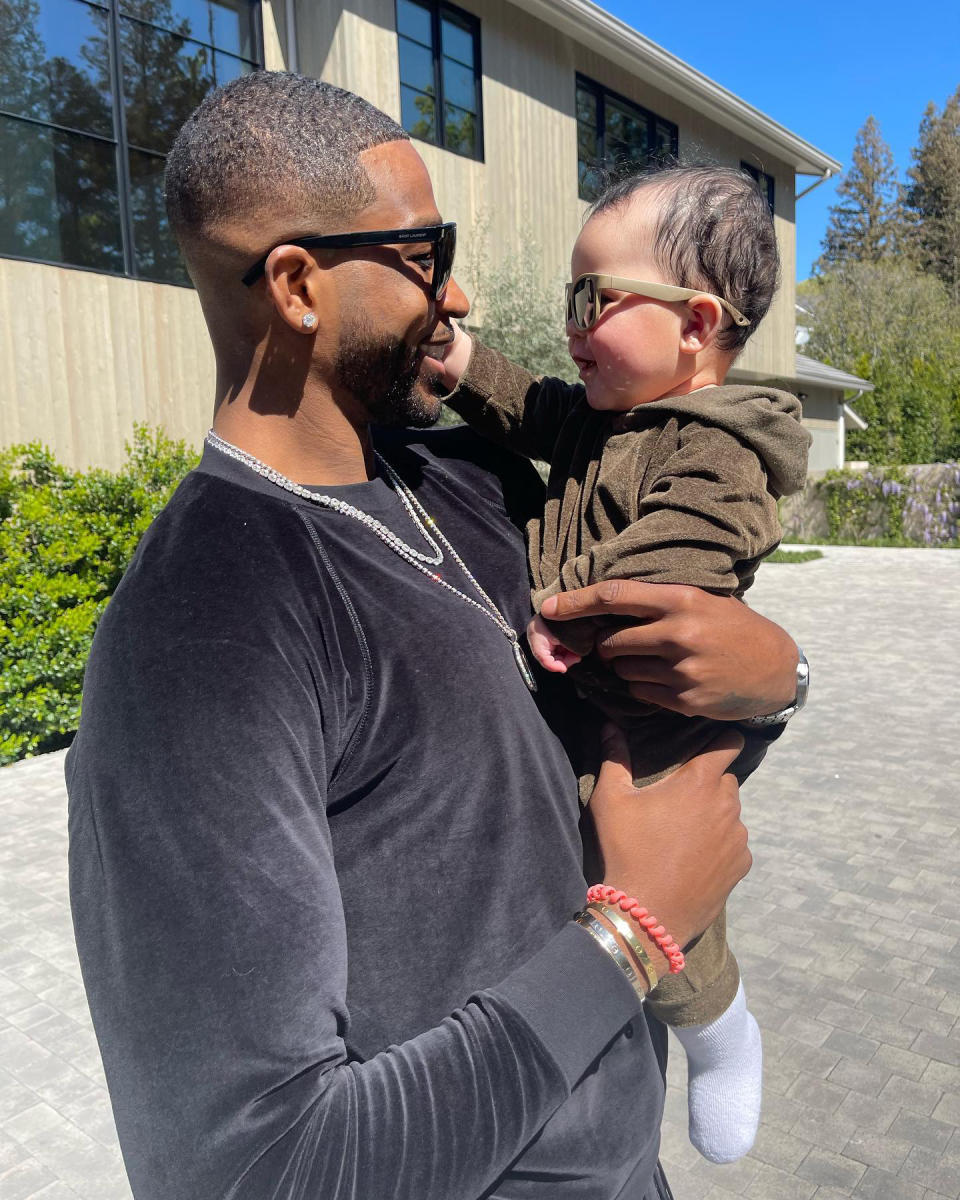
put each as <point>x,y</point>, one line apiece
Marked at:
<point>324,852</point>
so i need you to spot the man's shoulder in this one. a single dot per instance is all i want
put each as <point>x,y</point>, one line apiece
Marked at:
<point>486,470</point>
<point>215,552</point>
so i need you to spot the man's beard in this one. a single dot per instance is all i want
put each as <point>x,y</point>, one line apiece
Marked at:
<point>383,375</point>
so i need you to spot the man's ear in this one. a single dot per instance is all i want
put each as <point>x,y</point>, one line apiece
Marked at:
<point>703,321</point>
<point>297,287</point>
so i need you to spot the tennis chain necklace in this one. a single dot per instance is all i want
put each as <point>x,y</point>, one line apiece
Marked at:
<point>424,523</point>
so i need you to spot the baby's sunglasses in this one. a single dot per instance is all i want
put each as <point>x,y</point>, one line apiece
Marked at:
<point>443,239</point>
<point>585,302</point>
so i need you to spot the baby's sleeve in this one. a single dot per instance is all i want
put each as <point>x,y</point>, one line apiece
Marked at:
<point>708,520</point>
<point>510,405</point>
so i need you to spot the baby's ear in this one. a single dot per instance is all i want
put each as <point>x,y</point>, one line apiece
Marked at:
<point>704,320</point>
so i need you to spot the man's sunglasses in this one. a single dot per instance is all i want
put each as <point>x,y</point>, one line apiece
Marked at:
<point>443,239</point>
<point>585,302</point>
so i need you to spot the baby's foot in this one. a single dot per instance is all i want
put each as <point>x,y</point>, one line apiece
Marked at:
<point>547,648</point>
<point>725,1062</point>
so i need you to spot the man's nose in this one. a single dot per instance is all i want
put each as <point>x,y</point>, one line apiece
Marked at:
<point>454,302</point>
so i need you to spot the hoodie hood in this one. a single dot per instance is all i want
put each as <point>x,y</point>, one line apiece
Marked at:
<point>763,418</point>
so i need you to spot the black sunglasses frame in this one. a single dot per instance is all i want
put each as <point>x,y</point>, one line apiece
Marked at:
<point>443,238</point>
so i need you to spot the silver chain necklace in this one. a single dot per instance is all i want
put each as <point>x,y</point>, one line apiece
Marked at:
<point>424,523</point>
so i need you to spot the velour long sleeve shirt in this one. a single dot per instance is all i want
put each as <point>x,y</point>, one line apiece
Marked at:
<point>324,852</point>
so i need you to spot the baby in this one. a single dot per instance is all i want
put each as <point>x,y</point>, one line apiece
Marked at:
<point>658,471</point>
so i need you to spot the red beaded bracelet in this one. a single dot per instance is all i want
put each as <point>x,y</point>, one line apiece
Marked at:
<point>650,925</point>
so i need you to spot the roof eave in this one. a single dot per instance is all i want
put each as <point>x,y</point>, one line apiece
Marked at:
<point>590,25</point>
<point>812,371</point>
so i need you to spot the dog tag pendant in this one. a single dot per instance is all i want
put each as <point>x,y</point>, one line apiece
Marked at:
<point>526,670</point>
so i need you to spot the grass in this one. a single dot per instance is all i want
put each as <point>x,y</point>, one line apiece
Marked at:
<point>794,556</point>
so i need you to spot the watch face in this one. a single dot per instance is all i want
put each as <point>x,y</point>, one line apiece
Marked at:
<point>803,681</point>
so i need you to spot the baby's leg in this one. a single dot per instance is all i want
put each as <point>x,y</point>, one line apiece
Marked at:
<point>707,1010</point>
<point>705,1004</point>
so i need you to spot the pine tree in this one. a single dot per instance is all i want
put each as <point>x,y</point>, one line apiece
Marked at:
<point>868,223</point>
<point>934,193</point>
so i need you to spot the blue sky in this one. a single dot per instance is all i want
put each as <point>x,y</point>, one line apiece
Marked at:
<point>820,69</point>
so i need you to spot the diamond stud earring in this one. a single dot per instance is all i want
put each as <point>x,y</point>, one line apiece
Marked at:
<point>309,321</point>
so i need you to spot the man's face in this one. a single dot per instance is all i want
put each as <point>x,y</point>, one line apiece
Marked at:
<point>388,322</point>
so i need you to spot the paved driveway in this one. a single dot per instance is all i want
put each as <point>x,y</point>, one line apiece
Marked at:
<point>847,929</point>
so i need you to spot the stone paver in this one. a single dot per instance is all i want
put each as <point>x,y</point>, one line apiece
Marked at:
<point>57,1140</point>
<point>854,824</point>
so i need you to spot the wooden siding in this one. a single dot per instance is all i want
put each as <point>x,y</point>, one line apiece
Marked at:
<point>526,190</point>
<point>85,355</point>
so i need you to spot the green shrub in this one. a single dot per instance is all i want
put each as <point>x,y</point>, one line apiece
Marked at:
<point>516,309</point>
<point>794,556</point>
<point>880,506</point>
<point>521,314</point>
<point>65,540</point>
<point>866,505</point>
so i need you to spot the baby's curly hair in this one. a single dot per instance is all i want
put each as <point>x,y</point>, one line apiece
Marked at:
<point>714,231</point>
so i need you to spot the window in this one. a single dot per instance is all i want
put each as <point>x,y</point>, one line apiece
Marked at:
<point>439,48</point>
<point>763,181</point>
<point>615,135</point>
<point>91,97</point>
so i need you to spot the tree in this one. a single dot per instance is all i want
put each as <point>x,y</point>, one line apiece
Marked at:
<point>934,193</point>
<point>867,224</point>
<point>894,326</point>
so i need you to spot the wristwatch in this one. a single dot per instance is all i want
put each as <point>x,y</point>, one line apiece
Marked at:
<point>784,714</point>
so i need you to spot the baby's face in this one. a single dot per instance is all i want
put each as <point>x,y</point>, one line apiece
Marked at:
<point>632,354</point>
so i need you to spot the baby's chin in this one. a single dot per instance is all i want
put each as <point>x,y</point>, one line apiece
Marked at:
<point>602,399</point>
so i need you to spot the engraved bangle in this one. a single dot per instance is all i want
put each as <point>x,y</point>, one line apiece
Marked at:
<point>608,942</point>
<point>622,926</point>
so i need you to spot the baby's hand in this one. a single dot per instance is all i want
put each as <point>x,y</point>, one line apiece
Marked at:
<point>451,364</point>
<point>547,648</point>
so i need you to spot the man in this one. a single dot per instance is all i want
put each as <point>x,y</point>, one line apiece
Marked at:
<point>323,863</point>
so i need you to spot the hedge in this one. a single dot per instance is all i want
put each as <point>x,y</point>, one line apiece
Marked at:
<point>65,540</point>
<point>880,506</point>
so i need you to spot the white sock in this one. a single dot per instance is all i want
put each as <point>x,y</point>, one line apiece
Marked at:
<point>725,1071</point>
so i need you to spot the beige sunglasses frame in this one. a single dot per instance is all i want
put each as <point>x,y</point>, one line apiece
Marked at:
<point>654,291</point>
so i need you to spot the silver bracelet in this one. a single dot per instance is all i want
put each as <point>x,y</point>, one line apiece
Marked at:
<point>783,715</point>
<point>608,942</point>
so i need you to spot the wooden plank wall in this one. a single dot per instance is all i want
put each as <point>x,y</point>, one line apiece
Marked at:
<point>526,189</point>
<point>85,355</point>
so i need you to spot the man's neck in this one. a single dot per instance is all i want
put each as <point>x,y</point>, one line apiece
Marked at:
<point>313,444</point>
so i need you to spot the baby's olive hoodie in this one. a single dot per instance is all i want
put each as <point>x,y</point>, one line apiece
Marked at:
<point>678,490</point>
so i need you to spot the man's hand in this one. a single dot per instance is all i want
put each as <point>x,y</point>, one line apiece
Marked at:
<point>678,845</point>
<point>692,652</point>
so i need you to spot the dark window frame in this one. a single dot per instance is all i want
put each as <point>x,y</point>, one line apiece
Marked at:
<point>438,10</point>
<point>121,144</point>
<point>601,93</point>
<point>764,181</point>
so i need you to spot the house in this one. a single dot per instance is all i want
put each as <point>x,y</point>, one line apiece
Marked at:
<point>824,393</point>
<point>514,105</point>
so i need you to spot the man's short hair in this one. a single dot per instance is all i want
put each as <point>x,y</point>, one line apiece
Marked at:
<point>273,138</point>
<point>714,230</point>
